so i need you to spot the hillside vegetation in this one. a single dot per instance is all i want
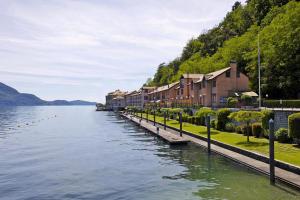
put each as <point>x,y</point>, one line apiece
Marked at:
<point>277,22</point>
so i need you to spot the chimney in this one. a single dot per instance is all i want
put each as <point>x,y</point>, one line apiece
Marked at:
<point>233,65</point>
<point>233,71</point>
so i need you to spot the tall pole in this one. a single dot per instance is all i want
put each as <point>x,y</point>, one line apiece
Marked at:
<point>208,133</point>
<point>154,121</point>
<point>258,61</point>
<point>165,115</point>
<point>147,115</point>
<point>271,152</point>
<point>180,122</point>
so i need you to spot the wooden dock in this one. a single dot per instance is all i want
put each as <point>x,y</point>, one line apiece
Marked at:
<point>171,138</point>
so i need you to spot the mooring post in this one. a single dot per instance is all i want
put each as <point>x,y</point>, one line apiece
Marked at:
<point>165,127</point>
<point>208,133</point>
<point>154,122</point>
<point>180,122</point>
<point>271,151</point>
<point>157,130</point>
<point>147,115</point>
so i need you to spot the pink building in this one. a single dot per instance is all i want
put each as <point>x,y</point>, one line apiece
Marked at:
<point>214,88</point>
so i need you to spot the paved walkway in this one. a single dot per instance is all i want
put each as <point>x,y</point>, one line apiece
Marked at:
<point>166,135</point>
<point>281,175</point>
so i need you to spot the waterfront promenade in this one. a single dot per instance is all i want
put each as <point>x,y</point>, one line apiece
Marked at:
<point>262,167</point>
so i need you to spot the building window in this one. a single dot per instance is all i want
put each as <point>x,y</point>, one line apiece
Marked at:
<point>238,73</point>
<point>214,98</point>
<point>178,92</point>
<point>228,73</point>
<point>203,84</point>
<point>192,85</point>
<point>181,91</point>
<point>214,83</point>
<point>145,97</point>
<point>181,84</point>
<point>199,86</point>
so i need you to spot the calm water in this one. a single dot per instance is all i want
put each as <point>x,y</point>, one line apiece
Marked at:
<point>77,153</point>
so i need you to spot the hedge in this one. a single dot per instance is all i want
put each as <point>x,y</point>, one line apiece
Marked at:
<point>285,103</point>
<point>229,126</point>
<point>267,115</point>
<point>213,123</point>
<point>282,135</point>
<point>257,129</point>
<point>294,125</point>
<point>231,102</point>
<point>222,118</point>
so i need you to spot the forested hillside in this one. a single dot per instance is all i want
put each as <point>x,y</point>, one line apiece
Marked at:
<point>277,22</point>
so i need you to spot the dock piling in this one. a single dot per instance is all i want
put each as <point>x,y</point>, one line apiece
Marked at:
<point>154,122</point>
<point>147,115</point>
<point>208,133</point>
<point>271,151</point>
<point>180,121</point>
<point>165,126</point>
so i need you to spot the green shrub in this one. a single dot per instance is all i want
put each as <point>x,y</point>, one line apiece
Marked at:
<point>190,119</point>
<point>185,117</point>
<point>197,120</point>
<point>266,133</point>
<point>231,102</point>
<point>267,115</point>
<point>245,128</point>
<point>282,135</point>
<point>246,99</point>
<point>213,123</point>
<point>194,120</point>
<point>238,129</point>
<point>294,126</point>
<point>203,112</point>
<point>257,129</point>
<point>188,111</point>
<point>222,118</point>
<point>230,127</point>
<point>285,103</point>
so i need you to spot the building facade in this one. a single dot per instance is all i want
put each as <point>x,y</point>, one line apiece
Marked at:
<point>164,96</point>
<point>118,103</point>
<point>214,89</point>
<point>210,90</point>
<point>112,96</point>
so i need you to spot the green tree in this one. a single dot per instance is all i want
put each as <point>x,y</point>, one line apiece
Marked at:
<point>246,117</point>
<point>231,102</point>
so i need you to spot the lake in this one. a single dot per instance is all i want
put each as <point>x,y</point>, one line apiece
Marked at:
<point>63,152</point>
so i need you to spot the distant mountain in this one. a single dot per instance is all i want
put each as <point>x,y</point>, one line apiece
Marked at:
<point>11,97</point>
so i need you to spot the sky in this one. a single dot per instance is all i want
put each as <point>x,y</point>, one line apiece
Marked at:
<point>72,49</point>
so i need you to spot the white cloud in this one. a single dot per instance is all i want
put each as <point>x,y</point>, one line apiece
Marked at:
<point>102,45</point>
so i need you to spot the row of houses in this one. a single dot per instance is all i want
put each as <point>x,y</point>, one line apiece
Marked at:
<point>211,90</point>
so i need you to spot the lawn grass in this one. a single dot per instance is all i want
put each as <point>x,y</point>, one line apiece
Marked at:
<point>285,152</point>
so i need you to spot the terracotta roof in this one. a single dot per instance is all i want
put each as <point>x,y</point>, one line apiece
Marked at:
<point>117,93</point>
<point>193,76</point>
<point>147,87</point>
<point>216,73</point>
<point>163,88</point>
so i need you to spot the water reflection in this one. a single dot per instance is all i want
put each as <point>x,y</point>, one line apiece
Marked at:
<point>217,178</point>
<point>82,154</point>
